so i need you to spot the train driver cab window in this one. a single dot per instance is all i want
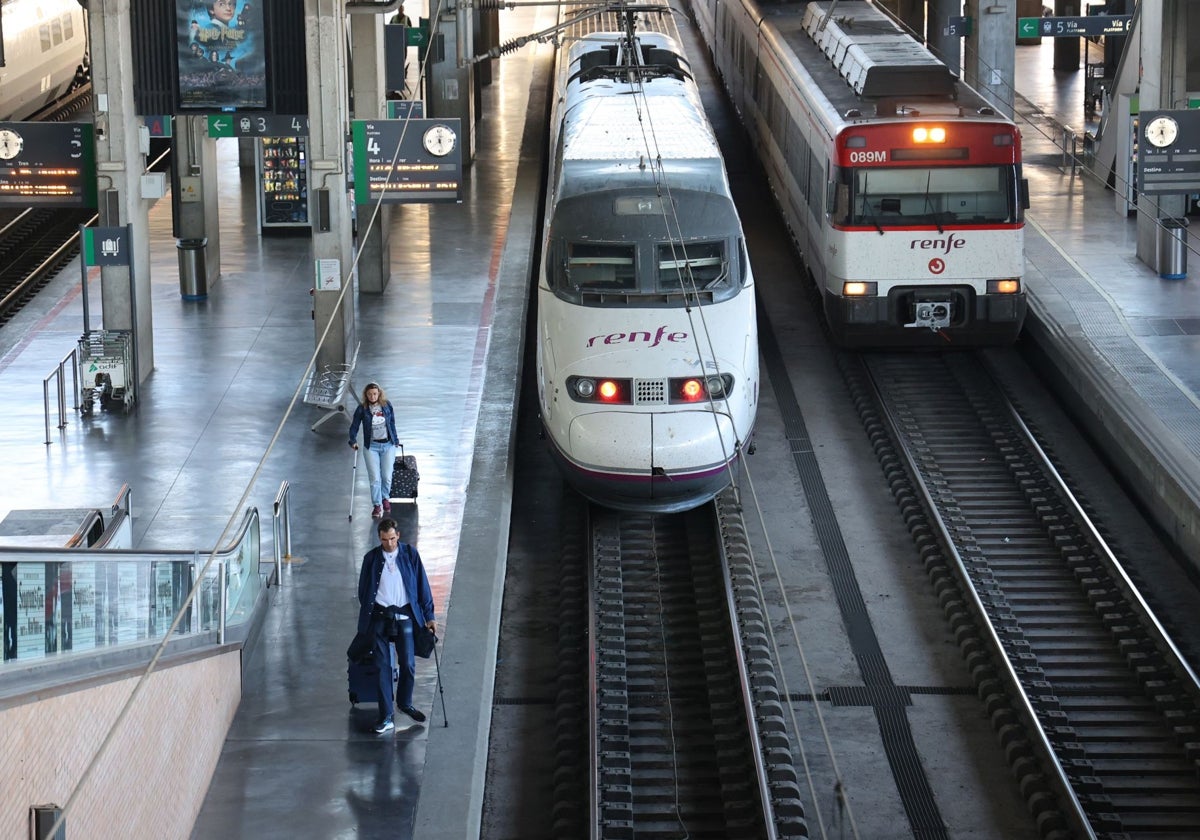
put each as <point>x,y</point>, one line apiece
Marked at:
<point>696,266</point>
<point>935,196</point>
<point>601,267</point>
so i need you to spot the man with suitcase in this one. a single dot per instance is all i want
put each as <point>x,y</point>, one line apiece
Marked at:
<point>394,596</point>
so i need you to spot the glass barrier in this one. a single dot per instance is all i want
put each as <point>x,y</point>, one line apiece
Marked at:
<point>60,601</point>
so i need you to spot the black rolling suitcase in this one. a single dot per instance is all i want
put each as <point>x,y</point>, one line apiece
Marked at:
<point>405,477</point>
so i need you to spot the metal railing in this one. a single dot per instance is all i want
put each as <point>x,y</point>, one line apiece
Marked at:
<point>281,529</point>
<point>57,601</point>
<point>57,374</point>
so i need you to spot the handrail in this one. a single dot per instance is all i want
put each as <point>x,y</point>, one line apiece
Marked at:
<point>281,529</point>
<point>62,411</point>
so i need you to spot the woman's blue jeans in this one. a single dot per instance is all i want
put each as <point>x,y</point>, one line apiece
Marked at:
<point>379,458</point>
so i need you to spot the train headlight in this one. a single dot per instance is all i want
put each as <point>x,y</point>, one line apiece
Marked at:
<point>696,389</point>
<point>1003,287</point>
<point>588,389</point>
<point>857,288</point>
<point>936,134</point>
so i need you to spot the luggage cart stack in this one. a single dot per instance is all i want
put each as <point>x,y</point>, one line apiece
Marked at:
<point>105,367</point>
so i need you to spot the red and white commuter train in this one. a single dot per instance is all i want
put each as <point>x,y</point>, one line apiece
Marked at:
<point>901,185</point>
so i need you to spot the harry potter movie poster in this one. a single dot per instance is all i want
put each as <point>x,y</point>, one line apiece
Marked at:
<point>222,55</point>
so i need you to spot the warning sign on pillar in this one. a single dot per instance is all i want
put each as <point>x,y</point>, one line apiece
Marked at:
<point>329,275</point>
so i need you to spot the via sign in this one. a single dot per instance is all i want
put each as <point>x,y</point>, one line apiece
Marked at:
<point>1073,27</point>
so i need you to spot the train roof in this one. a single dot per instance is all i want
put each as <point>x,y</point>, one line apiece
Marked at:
<point>863,61</point>
<point>611,126</point>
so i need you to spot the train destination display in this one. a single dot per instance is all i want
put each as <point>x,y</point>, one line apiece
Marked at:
<point>47,164</point>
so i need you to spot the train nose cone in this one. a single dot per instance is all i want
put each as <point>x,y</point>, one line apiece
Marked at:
<point>663,462</point>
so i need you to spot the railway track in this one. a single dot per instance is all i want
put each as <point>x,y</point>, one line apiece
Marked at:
<point>1097,711</point>
<point>687,734</point>
<point>34,247</point>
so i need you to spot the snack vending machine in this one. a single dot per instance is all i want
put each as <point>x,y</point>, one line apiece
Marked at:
<point>283,183</point>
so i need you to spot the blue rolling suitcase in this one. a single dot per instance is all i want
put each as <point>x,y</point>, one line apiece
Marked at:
<point>404,477</point>
<point>363,681</point>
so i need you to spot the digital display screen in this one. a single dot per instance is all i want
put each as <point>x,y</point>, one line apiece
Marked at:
<point>47,164</point>
<point>407,161</point>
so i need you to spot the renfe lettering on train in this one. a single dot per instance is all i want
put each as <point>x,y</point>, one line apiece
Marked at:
<point>950,243</point>
<point>639,337</point>
<point>869,157</point>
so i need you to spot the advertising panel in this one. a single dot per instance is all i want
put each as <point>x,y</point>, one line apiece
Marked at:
<point>222,55</point>
<point>83,606</point>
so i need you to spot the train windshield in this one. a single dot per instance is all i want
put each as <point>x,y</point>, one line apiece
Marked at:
<point>612,273</point>
<point>598,267</point>
<point>694,267</point>
<point>946,195</point>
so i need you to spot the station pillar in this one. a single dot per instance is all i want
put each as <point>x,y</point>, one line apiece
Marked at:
<point>450,87</point>
<point>328,120</point>
<point>990,52</point>
<point>196,210</point>
<point>945,46</point>
<point>374,242</point>
<point>1163,30</point>
<point>121,148</point>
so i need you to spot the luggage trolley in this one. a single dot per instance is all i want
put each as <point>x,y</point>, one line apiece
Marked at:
<point>105,362</point>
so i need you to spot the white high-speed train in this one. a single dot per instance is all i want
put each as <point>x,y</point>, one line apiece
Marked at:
<point>647,347</point>
<point>45,53</point>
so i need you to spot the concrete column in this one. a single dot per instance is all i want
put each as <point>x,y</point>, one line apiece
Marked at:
<point>120,163</point>
<point>946,47</point>
<point>449,91</point>
<point>366,44</point>
<point>328,111</point>
<point>1067,50</point>
<point>199,216</point>
<point>1162,28</point>
<point>991,52</point>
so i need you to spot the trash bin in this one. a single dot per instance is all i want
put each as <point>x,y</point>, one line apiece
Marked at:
<point>1172,249</point>
<point>193,273</point>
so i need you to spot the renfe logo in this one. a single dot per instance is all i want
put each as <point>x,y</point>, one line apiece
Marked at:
<point>652,339</point>
<point>950,243</point>
<point>869,157</point>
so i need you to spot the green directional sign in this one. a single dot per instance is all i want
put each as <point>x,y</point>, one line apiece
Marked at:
<point>1027,27</point>
<point>220,126</point>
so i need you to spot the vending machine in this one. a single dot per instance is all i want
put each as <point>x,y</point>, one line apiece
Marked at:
<point>283,183</point>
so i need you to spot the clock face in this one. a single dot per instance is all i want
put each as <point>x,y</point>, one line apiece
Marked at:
<point>10,144</point>
<point>1162,131</point>
<point>439,140</point>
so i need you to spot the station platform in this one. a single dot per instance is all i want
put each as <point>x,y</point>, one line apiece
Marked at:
<point>445,341</point>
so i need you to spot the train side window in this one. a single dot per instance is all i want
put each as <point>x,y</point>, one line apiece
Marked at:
<point>699,266</point>
<point>68,27</point>
<point>56,31</point>
<point>597,267</point>
<point>44,33</point>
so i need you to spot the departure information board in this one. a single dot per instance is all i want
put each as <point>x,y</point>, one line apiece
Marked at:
<point>407,161</point>
<point>47,164</point>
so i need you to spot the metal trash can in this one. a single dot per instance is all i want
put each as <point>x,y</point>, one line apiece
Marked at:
<point>1172,249</point>
<point>193,272</point>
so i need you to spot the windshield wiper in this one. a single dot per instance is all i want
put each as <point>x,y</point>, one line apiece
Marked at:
<point>937,217</point>
<point>866,200</point>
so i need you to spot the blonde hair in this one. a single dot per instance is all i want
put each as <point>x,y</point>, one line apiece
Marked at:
<point>379,388</point>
